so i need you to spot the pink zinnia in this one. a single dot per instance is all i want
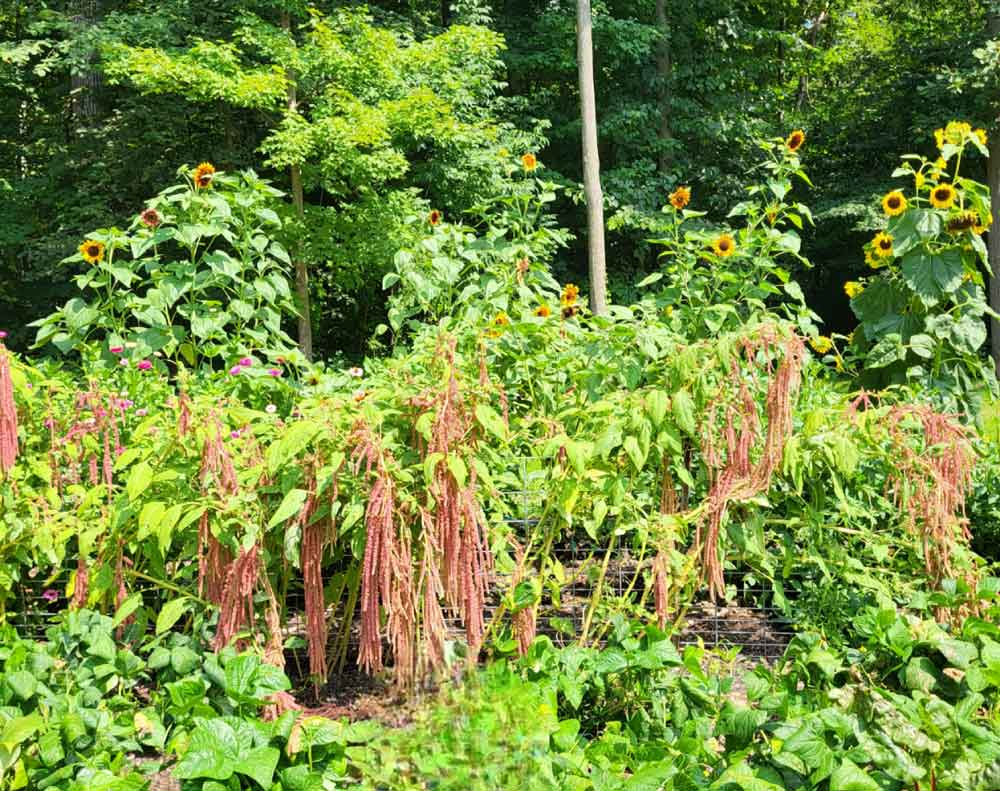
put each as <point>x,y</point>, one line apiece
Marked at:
<point>116,349</point>
<point>246,362</point>
<point>123,361</point>
<point>141,412</point>
<point>235,433</point>
<point>3,334</point>
<point>274,372</point>
<point>144,365</point>
<point>356,372</point>
<point>234,370</point>
<point>270,409</point>
<point>50,595</point>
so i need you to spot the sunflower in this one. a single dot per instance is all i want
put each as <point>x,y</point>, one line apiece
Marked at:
<point>872,260</point>
<point>963,221</point>
<point>942,196</point>
<point>150,218</point>
<point>980,135</point>
<point>894,203</point>
<point>724,246</point>
<point>680,197</point>
<point>570,294</point>
<point>434,218</point>
<point>203,174</point>
<point>530,162</point>
<point>772,215</point>
<point>92,251</point>
<point>918,180</point>
<point>981,225</point>
<point>543,311</point>
<point>502,320</point>
<point>795,140</point>
<point>940,163</point>
<point>569,311</point>
<point>882,245</point>
<point>852,288</point>
<point>821,344</point>
<point>939,137</point>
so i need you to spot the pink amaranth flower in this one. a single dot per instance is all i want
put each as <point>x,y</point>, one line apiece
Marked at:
<point>270,409</point>
<point>49,423</point>
<point>50,595</point>
<point>116,349</point>
<point>356,372</point>
<point>144,365</point>
<point>142,412</point>
<point>246,362</point>
<point>150,218</point>
<point>274,372</point>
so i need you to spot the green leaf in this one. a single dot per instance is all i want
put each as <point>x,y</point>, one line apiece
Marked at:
<point>491,421</point>
<point>849,777</point>
<point>171,614</point>
<point>129,606</point>
<point>213,752</point>
<point>683,409</point>
<point>932,275</point>
<point>139,480</point>
<point>259,765</point>
<point>291,504</point>
<point>22,683</point>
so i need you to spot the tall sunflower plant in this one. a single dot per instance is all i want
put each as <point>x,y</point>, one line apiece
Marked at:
<point>922,310</point>
<point>200,276</point>
<point>716,277</point>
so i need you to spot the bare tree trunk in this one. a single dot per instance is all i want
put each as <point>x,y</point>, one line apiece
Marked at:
<point>84,84</point>
<point>993,237</point>
<point>591,159</point>
<point>301,267</point>
<point>663,70</point>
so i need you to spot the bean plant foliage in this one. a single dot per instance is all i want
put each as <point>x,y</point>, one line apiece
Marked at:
<point>194,503</point>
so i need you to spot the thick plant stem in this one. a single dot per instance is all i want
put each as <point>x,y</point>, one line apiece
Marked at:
<point>993,237</point>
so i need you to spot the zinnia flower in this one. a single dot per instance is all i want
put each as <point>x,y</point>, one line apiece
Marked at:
<point>359,395</point>
<point>530,162</point>
<point>882,245</point>
<point>821,344</point>
<point>270,409</point>
<point>680,197</point>
<point>356,372</point>
<point>203,175</point>
<point>434,218</point>
<point>116,349</point>
<point>543,311</point>
<point>150,218</point>
<point>235,433</point>
<point>235,370</point>
<point>273,372</point>
<point>852,288</point>
<point>141,412</point>
<point>795,140</point>
<point>50,595</point>
<point>123,361</point>
<point>3,334</point>
<point>724,246</point>
<point>942,196</point>
<point>246,362</point>
<point>144,365</point>
<point>92,251</point>
<point>894,203</point>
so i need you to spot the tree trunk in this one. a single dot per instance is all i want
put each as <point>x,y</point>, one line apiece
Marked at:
<point>663,70</point>
<point>301,267</point>
<point>591,160</point>
<point>993,237</point>
<point>85,84</point>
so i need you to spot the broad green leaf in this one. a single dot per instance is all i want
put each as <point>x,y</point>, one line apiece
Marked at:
<point>291,504</point>
<point>171,614</point>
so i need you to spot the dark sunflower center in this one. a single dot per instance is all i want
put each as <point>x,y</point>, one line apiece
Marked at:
<point>93,251</point>
<point>885,244</point>
<point>942,194</point>
<point>894,202</point>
